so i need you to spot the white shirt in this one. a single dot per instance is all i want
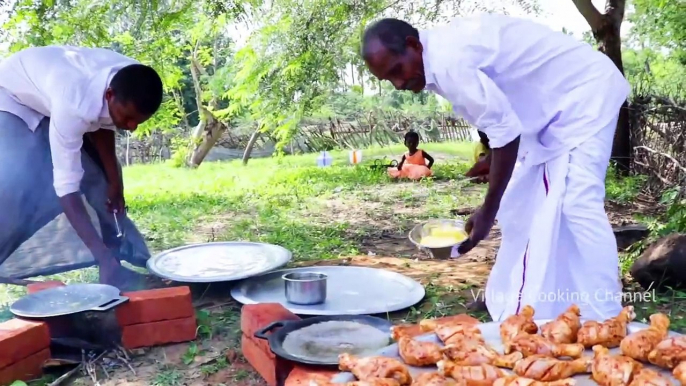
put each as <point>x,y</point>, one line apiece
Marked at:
<point>510,77</point>
<point>66,84</point>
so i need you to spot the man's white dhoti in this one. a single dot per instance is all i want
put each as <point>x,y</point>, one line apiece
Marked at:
<point>558,247</point>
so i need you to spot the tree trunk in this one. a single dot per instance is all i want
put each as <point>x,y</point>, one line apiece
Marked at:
<point>205,136</point>
<point>250,145</point>
<point>606,29</point>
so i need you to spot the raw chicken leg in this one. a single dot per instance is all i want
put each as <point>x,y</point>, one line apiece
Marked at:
<point>639,344</point>
<point>529,345</point>
<point>669,353</point>
<point>608,333</point>
<point>478,354</point>
<point>416,353</point>
<point>680,373</point>
<point>612,370</point>
<point>433,379</point>
<point>520,381</point>
<point>564,328</point>
<point>547,369</point>
<point>649,377</point>
<point>369,368</point>
<point>482,375</point>
<point>514,324</point>
<point>371,382</point>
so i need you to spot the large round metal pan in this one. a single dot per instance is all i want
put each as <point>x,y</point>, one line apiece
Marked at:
<point>350,291</point>
<point>276,333</point>
<point>68,300</point>
<point>217,262</point>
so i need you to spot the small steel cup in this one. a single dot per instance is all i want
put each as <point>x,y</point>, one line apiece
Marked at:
<point>305,288</point>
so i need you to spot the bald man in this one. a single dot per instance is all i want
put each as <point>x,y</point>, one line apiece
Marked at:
<point>549,104</point>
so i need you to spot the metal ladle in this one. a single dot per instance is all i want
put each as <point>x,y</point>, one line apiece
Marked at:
<point>116,222</point>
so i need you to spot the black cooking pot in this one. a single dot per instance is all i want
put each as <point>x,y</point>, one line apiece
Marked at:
<point>276,338</point>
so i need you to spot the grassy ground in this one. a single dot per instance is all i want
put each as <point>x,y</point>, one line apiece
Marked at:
<point>317,213</point>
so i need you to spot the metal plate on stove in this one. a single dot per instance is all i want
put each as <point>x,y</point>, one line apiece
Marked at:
<point>350,291</point>
<point>491,334</point>
<point>215,262</point>
<point>68,300</point>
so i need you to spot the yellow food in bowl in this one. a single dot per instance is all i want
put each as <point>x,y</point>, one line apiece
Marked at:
<point>441,237</point>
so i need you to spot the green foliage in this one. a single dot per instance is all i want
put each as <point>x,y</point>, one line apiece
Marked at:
<point>661,24</point>
<point>622,189</point>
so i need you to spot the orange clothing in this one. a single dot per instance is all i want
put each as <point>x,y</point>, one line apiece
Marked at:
<point>414,167</point>
<point>416,159</point>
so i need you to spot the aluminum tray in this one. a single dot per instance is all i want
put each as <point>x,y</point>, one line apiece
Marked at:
<point>350,291</point>
<point>68,300</point>
<point>491,333</point>
<point>217,262</point>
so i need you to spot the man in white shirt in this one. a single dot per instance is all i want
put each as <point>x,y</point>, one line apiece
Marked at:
<point>550,99</point>
<point>59,108</point>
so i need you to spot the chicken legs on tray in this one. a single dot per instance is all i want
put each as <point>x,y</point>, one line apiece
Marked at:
<point>608,333</point>
<point>564,328</point>
<point>639,344</point>
<point>369,368</point>
<point>547,369</point>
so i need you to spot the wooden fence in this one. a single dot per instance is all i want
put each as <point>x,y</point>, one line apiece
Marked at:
<point>312,137</point>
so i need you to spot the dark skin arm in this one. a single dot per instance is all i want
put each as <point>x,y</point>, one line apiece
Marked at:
<point>428,158</point>
<point>402,161</point>
<point>76,213</point>
<point>104,142</point>
<point>502,164</point>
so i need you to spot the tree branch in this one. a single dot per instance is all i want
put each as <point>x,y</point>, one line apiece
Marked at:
<point>593,17</point>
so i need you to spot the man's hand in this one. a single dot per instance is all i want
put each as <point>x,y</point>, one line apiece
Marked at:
<point>481,168</point>
<point>478,227</point>
<point>109,268</point>
<point>115,198</point>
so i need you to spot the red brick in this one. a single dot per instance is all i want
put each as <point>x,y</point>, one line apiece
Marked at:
<point>257,316</point>
<point>155,305</point>
<point>43,285</point>
<point>159,333</point>
<point>302,375</point>
<point>20,339</point>
<point>26,369</point>
<point>273,370</point>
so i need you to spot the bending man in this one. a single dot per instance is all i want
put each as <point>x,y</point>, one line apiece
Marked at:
<point>551,99</point>
<point>59,107</point>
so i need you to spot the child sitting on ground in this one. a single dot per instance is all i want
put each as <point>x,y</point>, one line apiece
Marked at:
<point>413,164</point>
<point>481,159</point>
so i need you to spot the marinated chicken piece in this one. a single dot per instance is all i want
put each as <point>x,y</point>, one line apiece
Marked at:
<point>564,328</point>
<point>416,353</point>
<point>680,373</point>
<point>612,370</point>
<point>458,333</point>
<point>639,344</point>
<point>547,369</point>
<point>521,381</point>
<point>669,353</point>
<point>481,375</point>
<point>478,354</point>
<point>608,333</point>
<point>528,345</point>
<point>513,325</point>
<point>649,377</point>
<point>371,382</point>
<point>366,369</point>
<point>433,379</point>
<point>409,330</point>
